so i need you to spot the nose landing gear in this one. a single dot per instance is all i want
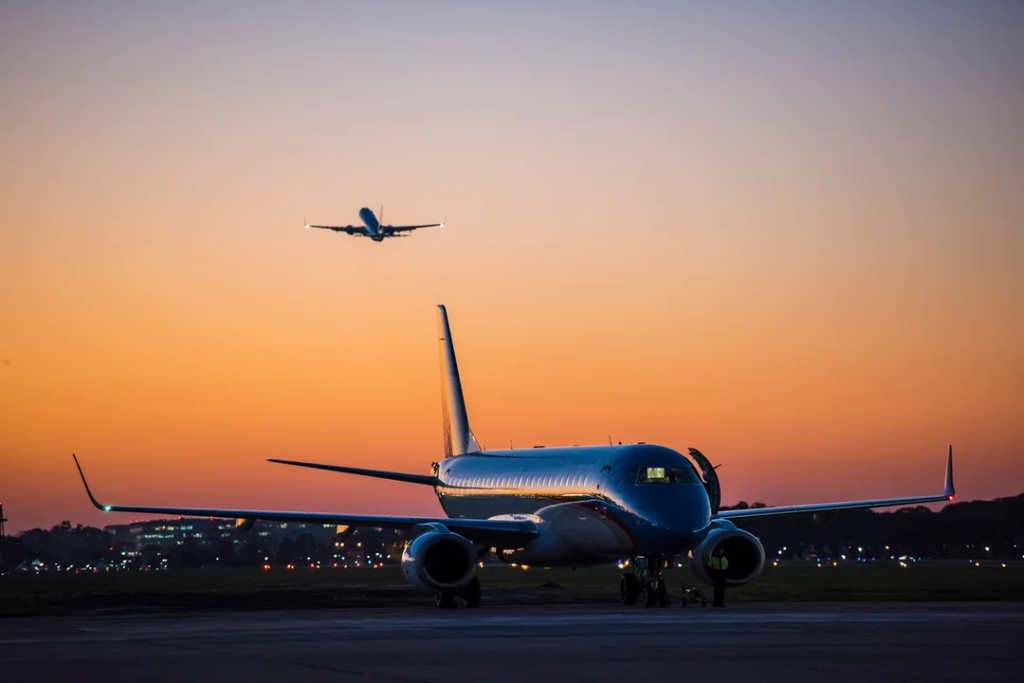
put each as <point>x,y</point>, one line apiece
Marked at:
<point>647,582</point>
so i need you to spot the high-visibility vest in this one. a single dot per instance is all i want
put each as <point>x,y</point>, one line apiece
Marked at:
<point>716,562</point>
<point>724,562</point>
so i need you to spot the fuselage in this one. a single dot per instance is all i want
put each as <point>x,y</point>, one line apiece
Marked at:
<point>371,223</point>
<point>596,501</point>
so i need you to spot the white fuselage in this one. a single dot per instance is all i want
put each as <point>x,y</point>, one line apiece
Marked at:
<point>587,497</point>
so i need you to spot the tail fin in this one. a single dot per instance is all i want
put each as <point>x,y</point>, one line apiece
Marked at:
<point>458,439</point>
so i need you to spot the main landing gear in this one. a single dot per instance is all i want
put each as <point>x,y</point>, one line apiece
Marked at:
<point>470,594</point>
<point>647,583</point>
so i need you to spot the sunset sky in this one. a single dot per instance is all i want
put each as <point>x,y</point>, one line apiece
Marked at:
<point>788,234</point>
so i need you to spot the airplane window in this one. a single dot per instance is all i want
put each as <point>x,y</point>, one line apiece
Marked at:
<point>666,475</point>
<point>649,475</point>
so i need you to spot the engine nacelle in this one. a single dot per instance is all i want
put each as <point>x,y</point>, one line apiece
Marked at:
<point>742,548</point>
<point>439,561</point>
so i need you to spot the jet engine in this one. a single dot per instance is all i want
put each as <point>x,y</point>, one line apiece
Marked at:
<point>439,561</point>
<point>743,550</point>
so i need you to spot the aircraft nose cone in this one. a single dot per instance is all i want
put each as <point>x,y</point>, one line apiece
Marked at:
<point>682,515</point>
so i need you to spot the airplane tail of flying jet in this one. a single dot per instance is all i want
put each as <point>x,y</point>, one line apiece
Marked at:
<point>458,438</point>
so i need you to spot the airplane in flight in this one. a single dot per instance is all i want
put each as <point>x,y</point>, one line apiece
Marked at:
<point>562,506</point>
<point>373,228</point>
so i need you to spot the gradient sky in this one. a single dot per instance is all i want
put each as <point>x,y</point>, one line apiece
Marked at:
<point>788,234</point>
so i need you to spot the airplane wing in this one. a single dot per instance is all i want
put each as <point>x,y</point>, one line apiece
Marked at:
<point>348,229</point>
<point>948,493</point>
<point>391,229</point>
<point>492,532</point>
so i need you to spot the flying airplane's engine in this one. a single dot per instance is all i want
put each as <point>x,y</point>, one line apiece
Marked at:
<point>743,550</point>
<point>439,561</point>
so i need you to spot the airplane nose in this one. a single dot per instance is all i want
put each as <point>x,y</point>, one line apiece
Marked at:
<point>684,514</point>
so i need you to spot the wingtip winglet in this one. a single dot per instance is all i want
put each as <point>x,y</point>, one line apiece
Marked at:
<point>948,490</point>
<point>96,503</point>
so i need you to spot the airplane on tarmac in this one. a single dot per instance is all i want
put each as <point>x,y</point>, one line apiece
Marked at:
<point>566,506</point>
<point>373,228</point>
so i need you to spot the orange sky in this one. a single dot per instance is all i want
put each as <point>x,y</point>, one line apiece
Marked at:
<point>792,240</point>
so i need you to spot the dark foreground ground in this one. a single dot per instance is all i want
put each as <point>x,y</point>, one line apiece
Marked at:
<point>137,592</point>
<point>744,642</point>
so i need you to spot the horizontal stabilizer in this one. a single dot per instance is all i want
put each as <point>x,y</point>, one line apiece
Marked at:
<point>425,479</point>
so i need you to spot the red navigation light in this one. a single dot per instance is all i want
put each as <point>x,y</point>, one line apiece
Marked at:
<point>952,496</point>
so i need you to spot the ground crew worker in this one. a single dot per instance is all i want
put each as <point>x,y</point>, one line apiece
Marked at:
<point>718,565</point>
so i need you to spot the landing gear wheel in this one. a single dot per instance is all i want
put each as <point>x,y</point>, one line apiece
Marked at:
<point>445,600</point>
<point>471,593</point>
<point>629,589</point>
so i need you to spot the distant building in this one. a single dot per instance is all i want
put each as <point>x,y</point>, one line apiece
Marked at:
<point>166,533</point>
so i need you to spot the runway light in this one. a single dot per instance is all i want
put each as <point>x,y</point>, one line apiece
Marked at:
<point>1004,565</point>
<point>835,564</point>
<point>775,563</point>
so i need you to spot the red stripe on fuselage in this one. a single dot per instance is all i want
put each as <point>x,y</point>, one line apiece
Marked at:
<point>603,511</point>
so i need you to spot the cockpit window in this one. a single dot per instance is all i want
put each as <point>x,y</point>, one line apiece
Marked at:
<point>666,475</point>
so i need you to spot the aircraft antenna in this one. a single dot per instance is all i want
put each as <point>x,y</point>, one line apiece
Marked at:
<point>609,439</point>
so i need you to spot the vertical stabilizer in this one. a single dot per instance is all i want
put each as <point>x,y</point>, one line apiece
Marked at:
<point>457,437</point>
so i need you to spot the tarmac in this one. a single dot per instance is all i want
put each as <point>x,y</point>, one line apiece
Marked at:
<point>747,642</point>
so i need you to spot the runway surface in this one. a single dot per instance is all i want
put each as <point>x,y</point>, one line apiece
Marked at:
<point>826,642</point>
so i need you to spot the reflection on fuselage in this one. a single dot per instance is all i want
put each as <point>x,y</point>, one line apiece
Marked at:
<point>493,483</point>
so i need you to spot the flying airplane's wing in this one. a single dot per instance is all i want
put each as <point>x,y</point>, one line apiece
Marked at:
<point>427,479</point>
<point>391,229</point>
<point>348,229</point>
<point>494,532</point>
<point>948,493</point>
